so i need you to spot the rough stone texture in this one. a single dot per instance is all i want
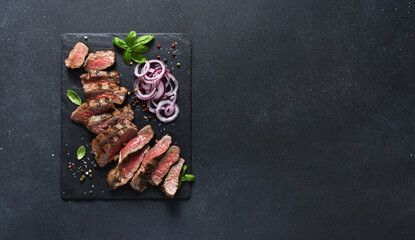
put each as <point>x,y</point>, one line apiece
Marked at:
<point>303,120</point>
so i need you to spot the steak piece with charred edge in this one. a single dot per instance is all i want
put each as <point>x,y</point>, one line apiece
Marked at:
<point>90,108</point>
<point>143,137</point>
<point>103,138</point>
<point>170,158</point>
<point>126,168</point>
<point>99,123</point>
<point>99,60</point>
<point>111,148</point>
<point>150,161</point>
<point>77,56</point>
<point>171,183</point>
<point>108,90</point>
<point>100,77</point>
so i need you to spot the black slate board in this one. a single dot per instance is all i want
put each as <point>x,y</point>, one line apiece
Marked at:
<point>74,134</point>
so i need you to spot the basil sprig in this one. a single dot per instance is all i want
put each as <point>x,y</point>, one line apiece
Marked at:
<point>185,177</point>
<point>74,97</point>
<point>81,152</point>
<point>133,48</point>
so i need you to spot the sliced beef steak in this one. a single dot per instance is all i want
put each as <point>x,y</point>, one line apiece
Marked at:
<point>150,161</point>
<point>142,138</point>
<point>77,56</point>
<point>105,90</point>
<point>111,148</point>
<point>103,138</point>
<point>171,183</point>
<point>100,77</point>
<point>90,108</point>
<point>126,168</point>
<point>99,123</point>
<point>99,60</point>
<point>170,158</point>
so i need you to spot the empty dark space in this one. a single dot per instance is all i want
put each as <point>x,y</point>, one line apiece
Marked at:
<point>303,120</point>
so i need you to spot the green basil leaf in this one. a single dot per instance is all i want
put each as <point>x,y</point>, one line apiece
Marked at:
<point>144,39</point>
<point>131,38</point>
<point>184,169</point>
<point>118,42</point>
<point>180,184</point>
<point>188,178</point>
<point>138,48</point>
<point>138,57</point>
<point>127,57</point>
<point>74,97</point>
<point>81,152</point>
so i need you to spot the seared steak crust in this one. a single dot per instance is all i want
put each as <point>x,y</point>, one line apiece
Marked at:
<point>90,108</point>
<point>150,161</point>
<point>171,183</point>
<point>143,137</point>
<point>100,77</point>
<point>126,168</point>
<point>108,90</point>
<point>77,56</point>
<point>170,158</point>
<point>99,60</point>
<point>99,123</point>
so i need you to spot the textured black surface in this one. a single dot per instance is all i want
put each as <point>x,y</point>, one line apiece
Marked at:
<point>74,134</point>
<point>303,120</point>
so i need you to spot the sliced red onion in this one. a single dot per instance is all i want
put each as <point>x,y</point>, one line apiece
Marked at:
<point>144,70</point>
<point>161,106</point>
<point>159,89</point>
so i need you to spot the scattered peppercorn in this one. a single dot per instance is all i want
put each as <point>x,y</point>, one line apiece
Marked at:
<point>90,175</point>
<point>173,45</point>
<point>90,171</point>
<point>178,64</point>
<point>124,144</point>
<point>158,57</point>
<point>156,140</point>
<point>81,179</point>
<point>149,117</point>
<point>174,54</point>
<point>91,192</point>
<point>145,109</point>
<point>86,37</point>
<point>95,165</point>
<point>83,176</point>
<point>134,103</point>
<point>69,166</point>
<point>131,63</point>
<point>82,170</point>
<point>165,60</point>
<point>140,88</point>
<point>135,97</point>
<point>158,45</point>
<point>135,89</point>
<point>128,93</point>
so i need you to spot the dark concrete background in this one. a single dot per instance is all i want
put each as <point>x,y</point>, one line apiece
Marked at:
<point>303,120</point>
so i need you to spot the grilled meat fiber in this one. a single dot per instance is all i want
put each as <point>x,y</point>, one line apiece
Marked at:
<point>90,108</point>
<point>171,183</point>
<point>77,56</point>
<point>99,60</point>
<point>99,123</point>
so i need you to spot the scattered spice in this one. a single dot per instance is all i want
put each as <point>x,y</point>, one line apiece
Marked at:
<point>156,141</point>
<point>145,109</point>
<point>178,64</point>
<point>158,57</point>
<point>128,93</point>
<point>95,165</point>
<point>82,170</point>
<point>69,166</point>
<point>174,54</point>
<point>165,60</point>
<point>158,45</point>
<point>135,89</point>
<point>90,175</point>
<point>86,38</point>
<point>91,192</point>
<point>81,179</point>
<point>135,97</point>
<point>90,171</point>
<point>173,45</point>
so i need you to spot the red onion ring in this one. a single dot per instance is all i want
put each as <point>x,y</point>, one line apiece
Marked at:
<point>161,106</point>
<point>144,70</point>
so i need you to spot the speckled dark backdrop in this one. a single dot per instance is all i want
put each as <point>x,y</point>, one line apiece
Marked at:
<point>303,120</point>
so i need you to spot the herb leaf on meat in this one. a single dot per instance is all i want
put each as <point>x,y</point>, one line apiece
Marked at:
<point>81,152</point>
<point>74,97</point>
<point>133,47</point>
<point>185,177</point>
